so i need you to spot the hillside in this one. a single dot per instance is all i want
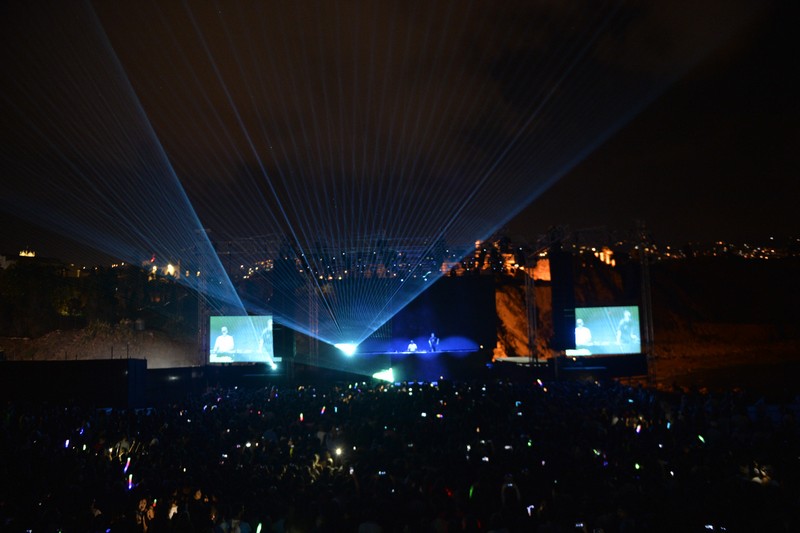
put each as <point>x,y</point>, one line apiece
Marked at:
<point>102,341</point>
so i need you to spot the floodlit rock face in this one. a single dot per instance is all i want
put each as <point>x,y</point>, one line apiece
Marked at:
<point>512,318</point>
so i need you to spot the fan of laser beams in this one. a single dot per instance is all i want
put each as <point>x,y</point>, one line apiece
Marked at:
<point>84,160</point>
<point>377,142</point>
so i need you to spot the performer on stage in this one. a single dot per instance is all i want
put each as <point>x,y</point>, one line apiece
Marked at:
<point>433,342</point>
<point>583,335</point>
<point>265,345</point>
<point>224,345</point>
<point>626,330</point>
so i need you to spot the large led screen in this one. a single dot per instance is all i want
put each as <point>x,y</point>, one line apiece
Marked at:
<point>607,331</point>
<point>241,339</point>
<point>455,315</point>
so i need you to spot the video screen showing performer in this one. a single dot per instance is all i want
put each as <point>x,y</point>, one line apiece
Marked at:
<point>241,339</point>
<point>606,331</point>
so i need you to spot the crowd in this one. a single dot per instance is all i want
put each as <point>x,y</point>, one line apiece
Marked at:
<point>407,457</point>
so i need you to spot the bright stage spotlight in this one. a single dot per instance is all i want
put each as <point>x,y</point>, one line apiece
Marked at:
<point>348,348</point>
<point>385,375</point>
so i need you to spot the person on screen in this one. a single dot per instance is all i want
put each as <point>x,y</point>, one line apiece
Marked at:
<point>264,344</point>
<point>223,345</point>
<point>626,330</point>
<point>433,342</point>
<point>412,346</point>
<point>583,335</point>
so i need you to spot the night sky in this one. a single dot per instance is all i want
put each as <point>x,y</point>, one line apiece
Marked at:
<point>417,119</point>
<point>715,158</point>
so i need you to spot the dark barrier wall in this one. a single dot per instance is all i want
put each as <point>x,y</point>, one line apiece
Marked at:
<point>602,367</point>
<point>97,383</point>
